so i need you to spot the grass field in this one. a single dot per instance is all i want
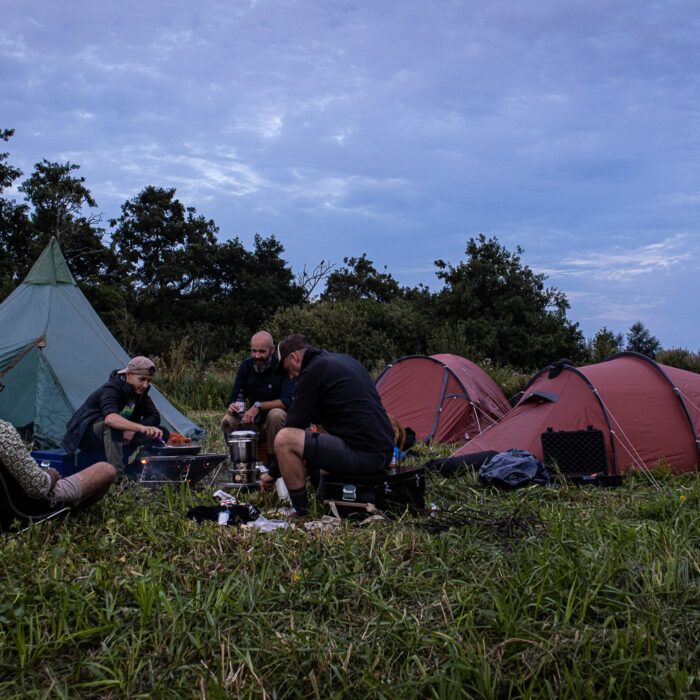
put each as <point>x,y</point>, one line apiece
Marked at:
<point>132,599</point>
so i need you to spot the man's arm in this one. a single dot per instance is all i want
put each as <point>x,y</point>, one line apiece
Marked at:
<point>114,420</point>
<point>289,387</point>
<point>15,457</point>
<point>308,389</point>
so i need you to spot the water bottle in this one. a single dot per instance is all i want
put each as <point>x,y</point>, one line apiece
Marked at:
<point>240,402</point>
<point>281,488</point>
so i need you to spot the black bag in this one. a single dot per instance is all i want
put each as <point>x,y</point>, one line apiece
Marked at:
<point>513,469</point>
<point>391,490</point>
<point>457,466</point>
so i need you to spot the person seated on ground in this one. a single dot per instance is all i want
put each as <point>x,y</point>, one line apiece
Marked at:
<point>337,392</point>
<point>118,418</point>
<point>79,489</point>
<point>268,393</point>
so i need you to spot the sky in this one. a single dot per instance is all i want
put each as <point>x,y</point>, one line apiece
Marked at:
<point>394,128</point>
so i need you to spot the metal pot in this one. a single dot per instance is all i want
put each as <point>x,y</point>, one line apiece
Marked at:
<point>243,449</point>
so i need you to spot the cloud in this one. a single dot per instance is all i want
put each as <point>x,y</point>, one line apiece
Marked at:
<point>13,48</point>
<point>267,126</point>
<point>620,264</point>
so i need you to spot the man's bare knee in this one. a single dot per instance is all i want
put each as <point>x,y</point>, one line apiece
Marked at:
<point>290,440</point>
<point>106,471</point>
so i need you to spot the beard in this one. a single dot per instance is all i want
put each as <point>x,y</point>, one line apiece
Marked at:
<point>260,367</point>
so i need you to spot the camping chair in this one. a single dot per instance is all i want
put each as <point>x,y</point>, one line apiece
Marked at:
<point>15,505</point>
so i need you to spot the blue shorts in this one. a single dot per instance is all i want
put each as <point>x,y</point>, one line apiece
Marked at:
<point>330,453</point>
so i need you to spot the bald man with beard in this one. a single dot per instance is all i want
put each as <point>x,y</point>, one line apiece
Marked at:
<point>267,393</point>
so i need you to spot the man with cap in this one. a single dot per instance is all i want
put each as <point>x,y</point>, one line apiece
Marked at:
<point>268,393</point>
<point>336,392</point>
<point>118,417</point>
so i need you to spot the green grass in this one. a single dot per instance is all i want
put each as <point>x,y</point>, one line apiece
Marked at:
<point>131,599</point>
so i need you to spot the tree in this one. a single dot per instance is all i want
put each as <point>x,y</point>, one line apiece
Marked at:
<point>372,332</point>
<point>12,220</point>
<point>508,314</point>
<point>59,200</point>
<point>360,280</point>
<point>13,223</point>
<point>164,246</point>
<point>640,340</point>
<point>309,280</point>
<point>185,283</point>
<point>165,253</point>
<point>604,344</point>
<point>249,287</point>
<point>8,173</point>
<point>679,357</point>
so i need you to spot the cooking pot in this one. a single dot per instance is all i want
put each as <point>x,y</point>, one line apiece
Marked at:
<point>243,449</point>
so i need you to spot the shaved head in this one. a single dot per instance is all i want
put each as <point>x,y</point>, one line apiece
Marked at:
<point>261,349</point>
<point>262,338</point>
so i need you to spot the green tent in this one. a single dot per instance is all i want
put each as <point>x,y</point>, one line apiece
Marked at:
<point>55,350</point>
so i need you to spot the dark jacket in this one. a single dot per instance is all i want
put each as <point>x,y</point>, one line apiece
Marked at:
<point>111,397</point>
<point>337,392</point>
<point>262,386</point>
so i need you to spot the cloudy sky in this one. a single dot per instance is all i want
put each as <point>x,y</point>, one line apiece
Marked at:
<point>395,128</point>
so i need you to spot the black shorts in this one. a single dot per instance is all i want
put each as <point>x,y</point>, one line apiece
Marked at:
<point>330,453</point>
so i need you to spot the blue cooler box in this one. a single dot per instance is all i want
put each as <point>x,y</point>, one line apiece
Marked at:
<point>62,462</point>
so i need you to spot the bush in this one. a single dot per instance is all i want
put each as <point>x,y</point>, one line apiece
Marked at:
<point>681,358</point>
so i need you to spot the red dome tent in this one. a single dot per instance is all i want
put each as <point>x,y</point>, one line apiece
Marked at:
<point>445,398</point>
<point>649,413</point>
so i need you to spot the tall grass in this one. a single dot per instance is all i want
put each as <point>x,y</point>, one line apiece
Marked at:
<point>193,384</point>
<point>131,599</point>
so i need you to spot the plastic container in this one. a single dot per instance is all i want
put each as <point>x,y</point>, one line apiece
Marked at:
<point>281,488</point>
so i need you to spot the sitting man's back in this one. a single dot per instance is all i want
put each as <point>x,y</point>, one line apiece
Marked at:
<point>337,392</point>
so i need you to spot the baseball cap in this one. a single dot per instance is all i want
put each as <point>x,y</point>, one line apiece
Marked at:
<point>139,365</point>
<point>290,344</point>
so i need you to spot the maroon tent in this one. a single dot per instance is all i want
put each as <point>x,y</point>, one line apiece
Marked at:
<point>649,413</point>
<point>445,398</point>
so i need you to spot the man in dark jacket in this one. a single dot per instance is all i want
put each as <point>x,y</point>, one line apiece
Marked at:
<point>336,392</point>
<point>267,392</point>
<point>118,415</point>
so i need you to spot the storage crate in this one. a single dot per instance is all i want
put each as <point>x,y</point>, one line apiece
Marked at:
<point>575,453</point>
<point>392,490</point>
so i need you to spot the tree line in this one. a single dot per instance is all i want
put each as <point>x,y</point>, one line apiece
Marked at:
<point>158,275</point>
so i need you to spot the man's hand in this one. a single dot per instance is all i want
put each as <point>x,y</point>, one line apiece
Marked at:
<point>128,436</point>
<point>55,476</point>
<point>152,432</point>
<point>249,415</point>
<point>267,483</point>
<point>232,410</point>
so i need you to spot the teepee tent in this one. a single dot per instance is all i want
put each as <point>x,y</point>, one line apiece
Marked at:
<point>648,413</point>
<point>55,350</point>
<point>445,398</point>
